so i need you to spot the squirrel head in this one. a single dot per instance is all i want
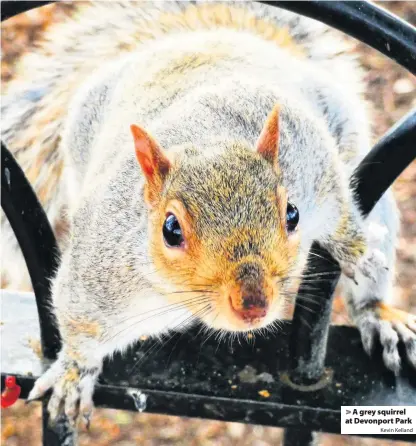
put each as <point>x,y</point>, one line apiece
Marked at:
<point>223,234</point>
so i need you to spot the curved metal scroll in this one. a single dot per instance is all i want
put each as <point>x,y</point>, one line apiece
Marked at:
<point>37,242</point>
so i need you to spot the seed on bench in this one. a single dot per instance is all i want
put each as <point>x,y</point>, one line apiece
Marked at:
<point>264,393</point>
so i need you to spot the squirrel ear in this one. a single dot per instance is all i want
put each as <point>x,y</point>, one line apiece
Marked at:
<point>268,142</point>
<point>154,163</point>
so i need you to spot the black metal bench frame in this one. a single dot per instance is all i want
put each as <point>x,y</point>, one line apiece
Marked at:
<point>315,369</point>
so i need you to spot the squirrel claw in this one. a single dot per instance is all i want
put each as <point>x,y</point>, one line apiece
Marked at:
<point>368,266</point>
<point>72,389</point>
<point>32,400</point>
<point>349,272</point>
<point>391,326</point>
<point>87,420</point>
<point>371,263</point>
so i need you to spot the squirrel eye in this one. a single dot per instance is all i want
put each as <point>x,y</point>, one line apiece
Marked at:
<point>172,232</point>
<point>292,217</point>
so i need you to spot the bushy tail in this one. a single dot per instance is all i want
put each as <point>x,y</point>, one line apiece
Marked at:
<point>35,101</point>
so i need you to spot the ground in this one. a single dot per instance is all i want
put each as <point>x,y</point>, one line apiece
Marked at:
<point>393,93</point>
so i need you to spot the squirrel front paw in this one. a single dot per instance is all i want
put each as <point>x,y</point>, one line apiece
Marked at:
<point>357,251</point>
<point>72,390</point>
<point>390,326</point>
<point>368,266</point>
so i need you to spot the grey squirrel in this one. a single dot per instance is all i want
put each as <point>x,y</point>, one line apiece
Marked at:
<point>197,151</point>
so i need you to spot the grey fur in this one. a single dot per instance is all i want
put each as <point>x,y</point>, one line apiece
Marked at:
<point>205,96</point>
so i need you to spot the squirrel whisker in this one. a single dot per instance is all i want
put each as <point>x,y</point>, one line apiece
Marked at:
<point>191,291</point>
<point>164,307</point>
<point>210,330</point>
<point>199,313</point>
<point>177,307</point>
<point>203,326</point>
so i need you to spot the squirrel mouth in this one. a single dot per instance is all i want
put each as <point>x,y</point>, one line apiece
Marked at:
<point>251,314</point>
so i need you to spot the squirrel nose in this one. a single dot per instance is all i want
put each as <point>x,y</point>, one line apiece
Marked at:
<point>253,307</point>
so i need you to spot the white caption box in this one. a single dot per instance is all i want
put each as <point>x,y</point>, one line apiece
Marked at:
<point>378,420</point>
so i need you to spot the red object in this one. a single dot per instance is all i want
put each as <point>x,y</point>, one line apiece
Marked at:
<point>11,393</point>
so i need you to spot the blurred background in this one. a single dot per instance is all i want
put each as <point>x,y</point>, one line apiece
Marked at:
<point>392,92</point>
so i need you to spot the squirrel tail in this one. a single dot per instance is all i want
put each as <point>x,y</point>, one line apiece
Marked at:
<point>35,101</point>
